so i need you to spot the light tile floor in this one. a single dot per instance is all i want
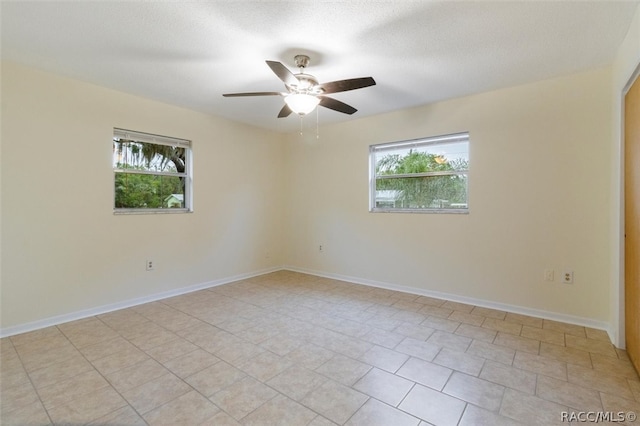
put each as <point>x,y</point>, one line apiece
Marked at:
<point>293,349</point>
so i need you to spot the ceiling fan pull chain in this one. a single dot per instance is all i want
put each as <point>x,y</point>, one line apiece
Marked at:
<point>317,125</point>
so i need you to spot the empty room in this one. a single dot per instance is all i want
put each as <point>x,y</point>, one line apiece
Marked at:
<point>319,213</point>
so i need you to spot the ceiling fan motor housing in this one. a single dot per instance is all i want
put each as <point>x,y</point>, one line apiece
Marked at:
<point>306,84</point>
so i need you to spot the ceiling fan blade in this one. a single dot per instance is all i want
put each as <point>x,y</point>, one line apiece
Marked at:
<point>231,95</point>
<point>285,111</point>
<point>283,73</point>
<point>344,85</point>
<point>336,105</point>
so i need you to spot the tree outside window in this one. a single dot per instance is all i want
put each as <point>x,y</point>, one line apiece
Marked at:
<point>425,175</point>
<point>151,172</point>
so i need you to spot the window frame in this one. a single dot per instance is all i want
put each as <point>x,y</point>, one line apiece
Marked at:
<point>150,138</point>
<point>419,142</point>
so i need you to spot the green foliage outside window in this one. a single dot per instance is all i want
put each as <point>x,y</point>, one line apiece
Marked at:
<point>146,191</point>
<point>148,175</point>
<point>443,188</point>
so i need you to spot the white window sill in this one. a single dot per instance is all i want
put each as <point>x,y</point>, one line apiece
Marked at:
<point>150,211</point>
<point>421,211</point>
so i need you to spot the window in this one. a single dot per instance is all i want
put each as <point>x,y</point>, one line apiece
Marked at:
<point>152,173</point>
<point>421,175</point>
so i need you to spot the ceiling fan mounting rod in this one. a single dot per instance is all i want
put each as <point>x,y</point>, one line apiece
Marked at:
<point>301,61</point>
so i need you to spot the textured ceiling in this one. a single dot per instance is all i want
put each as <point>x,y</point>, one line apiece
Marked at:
<point>189,53</point>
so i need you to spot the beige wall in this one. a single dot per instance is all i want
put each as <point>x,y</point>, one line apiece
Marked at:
<point>539,198</point>
<point>626,63</point>
<point>63,250</point>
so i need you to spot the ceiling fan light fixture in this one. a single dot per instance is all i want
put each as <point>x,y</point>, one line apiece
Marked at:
<point>301,103</point>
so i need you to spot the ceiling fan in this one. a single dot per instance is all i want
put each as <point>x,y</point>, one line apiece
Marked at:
<point>304,92</point>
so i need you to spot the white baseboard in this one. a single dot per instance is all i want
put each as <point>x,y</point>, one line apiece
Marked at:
<point>60,319</point>
<point>85,313</point>
<point>538,313</point>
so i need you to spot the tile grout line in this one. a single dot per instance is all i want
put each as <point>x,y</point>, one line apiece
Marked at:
<point>105,379</point>
<point>35,389</point>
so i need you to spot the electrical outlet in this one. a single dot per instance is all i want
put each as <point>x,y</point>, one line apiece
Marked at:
<point>548,274</point>
<point>150,265</point>
<point>567,276</point>
<point>320,248</point>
